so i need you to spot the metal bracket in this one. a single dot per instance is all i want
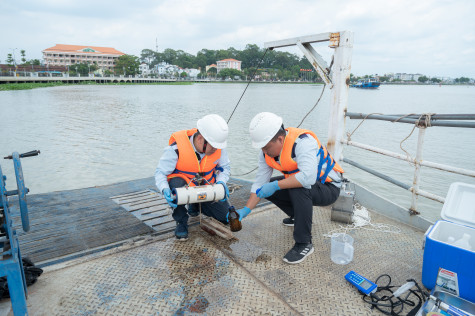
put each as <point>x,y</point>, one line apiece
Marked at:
<point>315,59</point>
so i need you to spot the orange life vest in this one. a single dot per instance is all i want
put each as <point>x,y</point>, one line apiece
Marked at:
<point>288,166</point>
<point>188,164</point>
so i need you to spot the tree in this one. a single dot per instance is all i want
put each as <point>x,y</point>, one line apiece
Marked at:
<point>83,69</point>
<point>228,72</point>
<point>212,72</point>
<point>423,79</point>
<point>147,56</point>
<point>127,65</point>
<point>435,80</point>
<point>23,59</point>
<point>462,80</point>
<point>10,59</point>
<point>169,56</point>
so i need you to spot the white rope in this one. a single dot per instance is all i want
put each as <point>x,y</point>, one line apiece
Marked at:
<point>362,220</point>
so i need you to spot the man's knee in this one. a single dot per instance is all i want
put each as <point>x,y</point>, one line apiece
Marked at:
<point>176,182</point>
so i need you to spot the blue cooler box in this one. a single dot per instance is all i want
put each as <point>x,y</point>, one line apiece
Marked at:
<point>441,246</point>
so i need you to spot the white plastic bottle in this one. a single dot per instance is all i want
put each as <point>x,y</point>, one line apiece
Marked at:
<point>463,242</point>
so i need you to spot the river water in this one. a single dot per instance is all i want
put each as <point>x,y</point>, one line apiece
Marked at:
<point>97,135</point>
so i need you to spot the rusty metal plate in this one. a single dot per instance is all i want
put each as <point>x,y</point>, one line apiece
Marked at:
<point>212,276</point>
<point>317,286</point>
<point>163,278</point>
<point>334,40</point>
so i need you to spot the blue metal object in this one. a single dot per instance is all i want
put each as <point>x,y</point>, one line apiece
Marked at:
<point>11,264</point>
<point>22,191</point>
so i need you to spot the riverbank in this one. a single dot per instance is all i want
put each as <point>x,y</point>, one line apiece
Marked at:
<point>33,85</point>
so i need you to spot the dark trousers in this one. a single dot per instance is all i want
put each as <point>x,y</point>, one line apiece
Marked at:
<point>298,203</point>
<point>217,209</point>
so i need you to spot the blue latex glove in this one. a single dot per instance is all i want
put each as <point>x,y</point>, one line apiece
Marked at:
<point>268,189</point>
<point>243,212</point>
<point>226,195</point>
<point>167,193</point>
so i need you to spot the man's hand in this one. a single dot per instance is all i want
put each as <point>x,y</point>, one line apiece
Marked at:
<point>243,212</point>
<point>226,190</point>
<point>167,193</point>
<point>267,189</point>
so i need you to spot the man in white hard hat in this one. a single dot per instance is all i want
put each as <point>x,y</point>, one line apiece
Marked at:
<point>190,152</point>
<point>311,177</point>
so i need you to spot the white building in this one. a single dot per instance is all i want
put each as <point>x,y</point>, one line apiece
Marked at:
<point>165,69</point>
<point>228,63</point>
<point>192,73</point>
<point>67,55</point>
<point>144,69</point>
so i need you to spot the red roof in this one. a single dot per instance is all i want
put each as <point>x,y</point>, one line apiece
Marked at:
<point>83,49</point>
<point>229,59</point>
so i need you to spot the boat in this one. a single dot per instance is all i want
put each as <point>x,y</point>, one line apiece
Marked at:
<point>110,250</point>
<point>371,83</point>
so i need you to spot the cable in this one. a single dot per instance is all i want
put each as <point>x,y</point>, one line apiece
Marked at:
<point>387,304</point>
<point>323,90</point>
<point>262,58</point>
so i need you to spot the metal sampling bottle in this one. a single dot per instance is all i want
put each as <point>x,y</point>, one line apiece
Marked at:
<point>234,221</point>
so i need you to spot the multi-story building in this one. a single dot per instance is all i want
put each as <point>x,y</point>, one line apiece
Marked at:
<point>228,63</point>
<point>67,55</point>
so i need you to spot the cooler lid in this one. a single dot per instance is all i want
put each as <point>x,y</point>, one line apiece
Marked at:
<point>459,206</point>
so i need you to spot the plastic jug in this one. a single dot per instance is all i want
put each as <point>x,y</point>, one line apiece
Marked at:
<point>463,242</point>
<point>341,248</point>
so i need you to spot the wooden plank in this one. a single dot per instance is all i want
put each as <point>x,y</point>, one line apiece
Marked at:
<point>137,198</point>
<point>144,205</point>
<point>164,206</point>
<point>145,211</point>
<point>153,215</point>
<point>129,194</point>
<point>158,221</point>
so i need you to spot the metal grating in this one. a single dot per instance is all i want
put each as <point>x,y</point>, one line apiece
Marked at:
<point>211,276</point>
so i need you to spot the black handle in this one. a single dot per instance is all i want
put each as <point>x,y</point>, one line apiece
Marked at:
<point>24,155</point>
<point>30,154</point>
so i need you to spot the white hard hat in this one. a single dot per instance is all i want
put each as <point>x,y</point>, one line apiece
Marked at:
<point>214,129</point>
<point>263,128</point>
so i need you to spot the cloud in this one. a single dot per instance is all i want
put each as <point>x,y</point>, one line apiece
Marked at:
<point>434,37</point>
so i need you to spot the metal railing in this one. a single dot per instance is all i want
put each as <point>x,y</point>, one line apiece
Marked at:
<point>421,121</point>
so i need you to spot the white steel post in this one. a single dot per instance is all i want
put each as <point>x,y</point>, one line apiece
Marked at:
<point>417,171</point>
<point>339,93</point>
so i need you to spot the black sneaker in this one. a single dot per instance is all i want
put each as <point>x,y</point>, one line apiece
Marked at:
<point>181,231</point>
<point>298,253</point>
<point>289,221</point>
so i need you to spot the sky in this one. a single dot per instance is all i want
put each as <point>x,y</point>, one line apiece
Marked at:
<point>430,37</point>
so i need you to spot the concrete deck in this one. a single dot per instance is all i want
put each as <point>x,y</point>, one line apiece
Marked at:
<point>157,275</point>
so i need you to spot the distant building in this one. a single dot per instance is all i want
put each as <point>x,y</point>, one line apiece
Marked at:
<point>165,69</point>
<point>144,69</point>
<point>67,55</point>
<point>191,72</point>
<point>228,63</point>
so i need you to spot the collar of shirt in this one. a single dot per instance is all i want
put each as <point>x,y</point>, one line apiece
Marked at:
<point>201,155</point>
